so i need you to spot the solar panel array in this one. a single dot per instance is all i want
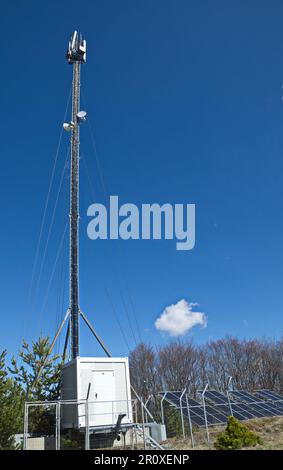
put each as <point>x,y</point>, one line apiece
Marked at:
<point>269,395</point>
<point>194,411</point>
<point>217,407</point>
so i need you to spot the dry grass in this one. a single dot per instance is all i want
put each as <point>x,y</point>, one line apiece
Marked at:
<point>270,431</point>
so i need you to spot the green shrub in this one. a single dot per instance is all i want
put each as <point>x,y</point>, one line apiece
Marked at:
<point>236,436</point>
<point>69,444</point>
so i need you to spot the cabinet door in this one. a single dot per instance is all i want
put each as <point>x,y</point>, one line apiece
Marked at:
<point>104,397</point>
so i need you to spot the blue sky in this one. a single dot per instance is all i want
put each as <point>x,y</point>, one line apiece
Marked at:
<point>185,102</point>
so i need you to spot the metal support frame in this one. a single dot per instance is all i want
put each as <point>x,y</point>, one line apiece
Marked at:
<point>143,426</point>
<point>204,412</point>
<point>230,383</point>
<point>26,427</point>
<point>148,400</point>
<point>51,348</point>
<point>190,422</point>
<point>66,342</point>
<point>46,404</point>
<point>58,425</point>
<point>87,446</point>
<point>182,415</point>
<point>143,404</point>
<point>146,408</point>
<point>58,407</point>
<point>161,406</point>
<point>230,387</point>
<point>95,334</point>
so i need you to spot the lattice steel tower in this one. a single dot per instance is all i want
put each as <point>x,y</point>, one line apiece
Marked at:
<point>76,55</point>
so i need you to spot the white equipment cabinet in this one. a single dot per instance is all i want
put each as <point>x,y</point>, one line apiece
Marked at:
<point>109,392</point>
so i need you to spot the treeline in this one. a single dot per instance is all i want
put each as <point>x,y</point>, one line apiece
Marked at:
<point>252,364</point>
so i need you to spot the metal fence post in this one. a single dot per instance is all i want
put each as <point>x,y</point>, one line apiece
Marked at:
<point>86,426</point>
<point>229,388</point>
<point>136,410</point>
<point>230,404</point>
<point>190,422</point>
<point>143,426</point>
<point>182,415</point>
<point>57,426</point>
<point>26,427</point>
<point>204,412</point>
<point>146,415</point>
<point>162,410</point>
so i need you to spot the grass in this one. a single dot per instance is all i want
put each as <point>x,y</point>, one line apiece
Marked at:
<point>270,431</point>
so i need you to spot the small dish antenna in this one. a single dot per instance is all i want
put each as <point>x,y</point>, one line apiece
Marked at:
<point>81,116</point>
<point>68,126</point>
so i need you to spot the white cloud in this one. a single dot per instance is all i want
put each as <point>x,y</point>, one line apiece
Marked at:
<point>179,318</point>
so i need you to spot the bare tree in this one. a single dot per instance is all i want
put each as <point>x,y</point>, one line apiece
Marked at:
<point>143,370</point>
<point>178,366</point>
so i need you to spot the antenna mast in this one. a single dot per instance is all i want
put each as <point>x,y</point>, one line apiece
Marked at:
<point>76,55</point>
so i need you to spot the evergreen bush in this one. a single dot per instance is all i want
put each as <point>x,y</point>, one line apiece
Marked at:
<point>236,436</point>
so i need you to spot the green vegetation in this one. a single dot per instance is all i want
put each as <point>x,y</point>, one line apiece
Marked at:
<point>173,422</point>
<point>70,444</point>
<point>236,436</point>
<point>32,358</point>
<point>18,384</point>
<point>11,407</point>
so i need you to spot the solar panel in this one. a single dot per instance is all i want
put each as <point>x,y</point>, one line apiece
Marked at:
<point>211,415</point>
<point>268,394</point>
<point>235,411</point>
<point>197,420</point>
<point>251,411</point>
<point>263,394</point>
<point>192,402</point>
<point>214,416</point>
<point>216,397</point>
<point>196,411</point>
<point>223,409</point>
<point>249,397</point>
<point>222,404</point>
<point>274,404</point>
<point>258,407</point>
<point>178,402</point>
<point>239,413</point>
<point>241,409</point>
<point>276,395</point>
<point>174,398</point>
<point>242,396</point>
<point>173,395</point>
<point>270,408</point>
<point>197,416</point>
<point>262,410</point>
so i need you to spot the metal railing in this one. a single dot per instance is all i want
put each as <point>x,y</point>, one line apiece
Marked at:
<point>86,418</point>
